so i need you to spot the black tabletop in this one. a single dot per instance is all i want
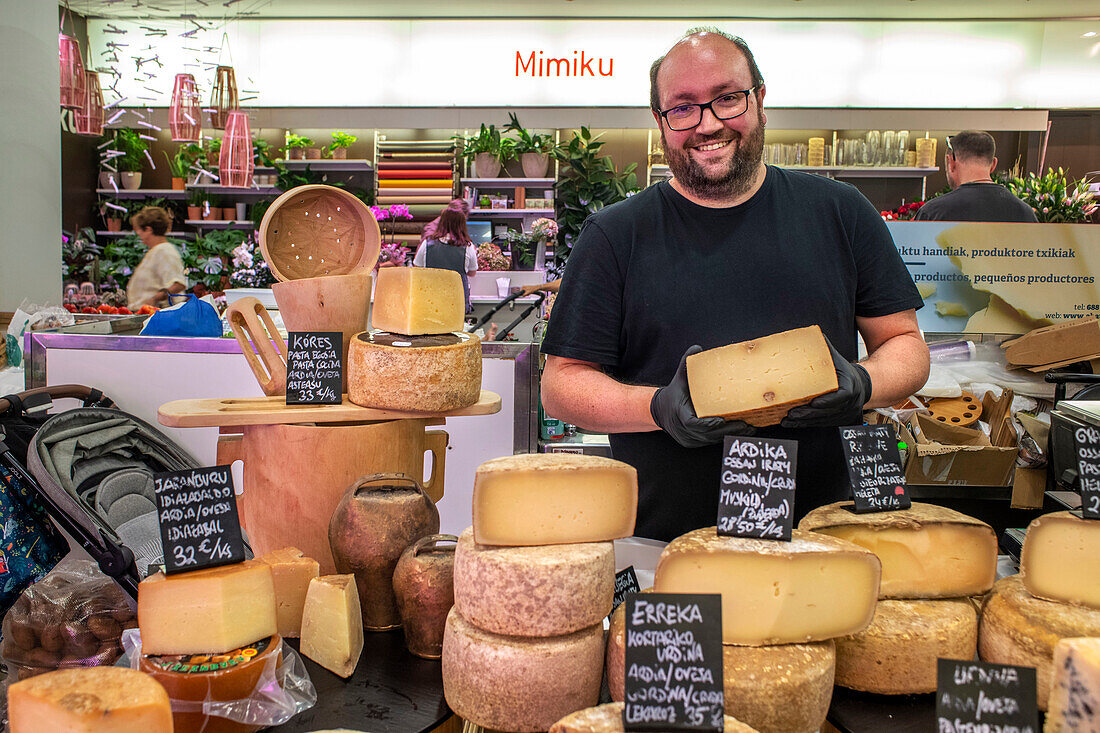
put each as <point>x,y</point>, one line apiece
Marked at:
<point>864,712</point>
<point>391,690</point>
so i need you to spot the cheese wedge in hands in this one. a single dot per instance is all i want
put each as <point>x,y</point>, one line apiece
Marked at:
<point>927,551</point>
<point>1061,559</point>
<point>89,700</point>
<point>812,588</point>
<point>553,498</point>
<point>291,571</point>
<point>332,624</point>
<point>416,301</point>
<point>759,381</point>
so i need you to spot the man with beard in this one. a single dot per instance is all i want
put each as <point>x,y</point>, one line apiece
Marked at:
<point>730,249</point>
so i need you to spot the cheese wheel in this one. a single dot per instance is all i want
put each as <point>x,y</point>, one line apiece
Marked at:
<point>897,653</point>
<point>1018,628</point>
<point>1061,551</point>
<point>516,683</point>
<point>772,688</point>
<point>548,590</point>
<point>89,700</point>
<point>414,373</point>
<point>192,680</point>
<point>927,551</point>
<point>609,719</point>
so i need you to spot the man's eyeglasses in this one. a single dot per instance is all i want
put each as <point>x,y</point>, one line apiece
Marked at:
<point>950,151</point>
<point>725,107</point>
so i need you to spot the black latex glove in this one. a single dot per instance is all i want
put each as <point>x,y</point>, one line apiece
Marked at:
<point>834,408</point>
<point>673,412</point>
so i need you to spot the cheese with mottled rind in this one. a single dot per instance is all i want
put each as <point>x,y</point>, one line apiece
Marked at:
<point>205,611</point>
<point>759,381</point>
<point>436,373</point>
<point>1061,559</point>
<point>516,683</point>
<point>1018,628</point>
<point>927,551</point>
<point>332,624</point>
<point>1075,690</point>
<point>897,653</point>
<point>545,590</point>
<point>291,572</point>
<point>416,301</point>
<point>812,588</point>
<point>554,498</point>
<point>89,700</point>
<point>608,718</point>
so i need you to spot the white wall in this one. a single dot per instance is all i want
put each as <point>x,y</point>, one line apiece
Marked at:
<point>30,167</point>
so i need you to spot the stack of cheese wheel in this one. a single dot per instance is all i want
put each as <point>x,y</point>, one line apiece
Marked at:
<point>609,719</point>
<point>1056,596</point>
<point>533,580</point>
<point>783,603</point>
<point>417,359</point>
<point>933,558</point>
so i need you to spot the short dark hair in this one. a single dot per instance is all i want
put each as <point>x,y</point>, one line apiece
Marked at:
<point>655,68</point>
<point>153,217</point>
<point>973,145</point>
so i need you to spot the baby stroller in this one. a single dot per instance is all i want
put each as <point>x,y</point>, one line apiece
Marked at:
<point>92,468</point>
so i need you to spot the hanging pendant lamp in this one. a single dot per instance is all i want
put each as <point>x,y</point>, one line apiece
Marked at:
<point>223,97</point>
<point>235,159</point>
<point>72,71</point>
<point>89,118</point>
<point>184,116</point>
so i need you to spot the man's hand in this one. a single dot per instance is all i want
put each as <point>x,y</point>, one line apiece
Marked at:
<point>853,392</point>
<point>673,412</point>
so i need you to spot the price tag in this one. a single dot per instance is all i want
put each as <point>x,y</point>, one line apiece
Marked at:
<point>314,367</point>
<point>626,582</point>
<point>756,498</point>
<point>874,468</point>
<point>1087,442</point>
<point>981,696</point>
<point>673,662</point>
<point>199,526</point>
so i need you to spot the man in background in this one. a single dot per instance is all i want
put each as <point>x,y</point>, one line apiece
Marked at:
<point>969,163</point>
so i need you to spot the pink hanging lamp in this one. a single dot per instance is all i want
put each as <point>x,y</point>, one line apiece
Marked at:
<point>89,117</point>
<point>184,116</point>
<point>72,71</point>
<point>235,159</point>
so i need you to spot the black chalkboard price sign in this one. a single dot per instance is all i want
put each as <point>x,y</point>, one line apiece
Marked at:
<point>874,468</point>
<point>626,582</point>
<point>1087,440</point>
<point>673,662</point>
<point>981,696</point>
<point>314,367</point>
<point>199,526</point>
<point>756,496</point>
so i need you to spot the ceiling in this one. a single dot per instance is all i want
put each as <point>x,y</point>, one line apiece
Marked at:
<point>685,9</point>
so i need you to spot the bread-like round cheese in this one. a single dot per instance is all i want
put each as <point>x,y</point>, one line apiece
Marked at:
<point>897,653</point>
<point>437,373</point>
<point>515,683</point>
<point>771,688</point>
<point>547,590</point>
<point>1018,628</point>
<point>609,719</point>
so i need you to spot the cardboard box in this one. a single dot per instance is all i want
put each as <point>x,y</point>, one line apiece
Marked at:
<point>948,454</point>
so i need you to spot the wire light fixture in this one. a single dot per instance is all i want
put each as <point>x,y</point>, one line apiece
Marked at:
<point>235,159</point>
<point>89,117</point>
<point>72,71</point>
<point>184,116</point>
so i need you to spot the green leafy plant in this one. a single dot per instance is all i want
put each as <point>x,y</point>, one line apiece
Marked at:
<point>118,261</point>
<point>212,147</point>
<point>207,258</point>
<point>128,142</point>
<point>487,140</point>
<point>196,196</point>
<point>263,153</point>
<point>588,182</point>
<point>528,142</point>
<point>186,156</point>
<point>341,140</point>
<point>297,141</point>
<point>80,256</point>
<point>1053,197</point>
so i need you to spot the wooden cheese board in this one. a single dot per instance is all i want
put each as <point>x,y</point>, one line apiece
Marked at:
<point>228,411</point>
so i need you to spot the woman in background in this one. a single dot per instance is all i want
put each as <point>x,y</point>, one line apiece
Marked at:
<point>160,272</point>
<point>449,248</point>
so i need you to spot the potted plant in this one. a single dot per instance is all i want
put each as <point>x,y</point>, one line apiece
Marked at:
<point>533,148</point>
<point>264,157</point>
<point>1054,198</point>
<point>488,150</point>
<point>211,210</point>
<point>213,148</point>
<point>196,203</point>
<point>296,146</point>
<point>112,213</point>
<point>341,141</point>
<point>180,163</point>
<point>133,149</point>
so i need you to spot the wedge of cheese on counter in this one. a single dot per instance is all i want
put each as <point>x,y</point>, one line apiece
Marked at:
<point>1075,690</point>
<point>812,588</point>
<point>759,381</point>
<point>1018,628</point>
<point>1061,559</point>
<point>89,700</point>
<point>207,611</point>
<point>553,498</point>
<point>927,551</point>
<point>332,624</point>
<point>609,719</point>
<point>291,572</point>
<point>415,301</point>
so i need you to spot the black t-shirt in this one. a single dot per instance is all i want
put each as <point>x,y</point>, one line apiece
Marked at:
<point>977,202</point>
<point>652,275</point>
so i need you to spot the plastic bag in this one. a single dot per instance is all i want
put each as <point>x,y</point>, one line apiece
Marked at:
<point>74,617</point>
<point>194,317</point>
<point>282,688</point>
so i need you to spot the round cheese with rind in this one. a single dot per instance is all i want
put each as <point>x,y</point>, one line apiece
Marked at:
<point>609,719</point>
<point>1018,628</point>
<point>897,653</point>
<point>515,683</point>
<point>436,373</point>
<point>547,590</point>
<point>115,699</point>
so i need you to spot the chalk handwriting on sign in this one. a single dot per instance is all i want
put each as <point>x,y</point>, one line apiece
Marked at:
<point>756,495</point>
<point>199,525</point>
<point>314,367</point>
<point>673,677</point>
<point>981,696</point>
<point>874,468</point>
<point>1087,441</point>
<point>626,582</point>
